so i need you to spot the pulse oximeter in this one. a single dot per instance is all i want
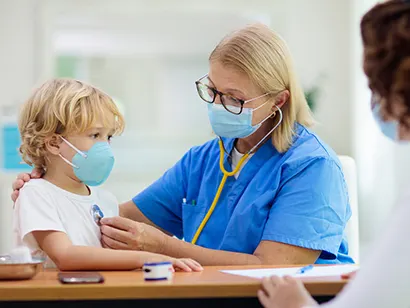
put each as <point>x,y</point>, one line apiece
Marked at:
<point>158,271</point>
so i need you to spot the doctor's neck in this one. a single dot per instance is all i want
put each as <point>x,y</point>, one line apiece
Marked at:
<point>243,145</point>
<point>57,176</point>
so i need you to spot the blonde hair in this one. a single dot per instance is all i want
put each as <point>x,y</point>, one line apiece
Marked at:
<point>264,57</point>
<point>62,106</point>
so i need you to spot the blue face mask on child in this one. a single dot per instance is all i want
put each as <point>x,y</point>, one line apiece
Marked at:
<point>93,166</point>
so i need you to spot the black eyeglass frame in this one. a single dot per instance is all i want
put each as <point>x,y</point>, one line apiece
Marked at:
<point>241,102</point>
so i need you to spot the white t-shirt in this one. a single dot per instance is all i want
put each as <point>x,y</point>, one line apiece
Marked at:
<point>43,206</point>
<point>235,158</point>
<point>383,280</point>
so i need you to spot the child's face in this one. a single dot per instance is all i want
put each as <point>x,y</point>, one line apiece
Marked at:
<point>82,141</point>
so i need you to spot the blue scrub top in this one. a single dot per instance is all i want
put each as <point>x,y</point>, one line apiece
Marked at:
<point>298,197</point>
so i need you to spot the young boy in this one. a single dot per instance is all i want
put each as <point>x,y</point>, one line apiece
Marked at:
<point>66,127</point>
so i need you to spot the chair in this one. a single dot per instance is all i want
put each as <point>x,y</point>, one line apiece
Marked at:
<point>352,227</point>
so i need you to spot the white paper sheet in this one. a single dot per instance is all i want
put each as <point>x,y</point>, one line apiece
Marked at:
<point>317,271</point>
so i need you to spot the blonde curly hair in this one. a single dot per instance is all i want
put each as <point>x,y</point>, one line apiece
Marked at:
<point>62,106</point>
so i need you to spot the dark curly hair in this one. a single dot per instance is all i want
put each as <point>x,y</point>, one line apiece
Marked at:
<point>385,31</point>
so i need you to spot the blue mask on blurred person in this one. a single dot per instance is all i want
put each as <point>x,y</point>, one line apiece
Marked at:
<point>389,128</point>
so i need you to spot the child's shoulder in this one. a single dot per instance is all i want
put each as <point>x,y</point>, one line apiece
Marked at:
<point>37,191</point>
<point>37,185</point>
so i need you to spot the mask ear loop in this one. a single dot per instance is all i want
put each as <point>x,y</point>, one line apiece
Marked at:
<point>268,117</point>
<point>264,138</point>
<point>271,131</point>
<point>75,149</point>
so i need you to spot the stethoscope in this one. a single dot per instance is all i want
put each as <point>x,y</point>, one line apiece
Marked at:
<point>96,214</point>
<point>227,174</point>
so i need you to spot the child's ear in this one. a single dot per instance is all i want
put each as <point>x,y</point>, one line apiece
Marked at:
<point>53,144</point>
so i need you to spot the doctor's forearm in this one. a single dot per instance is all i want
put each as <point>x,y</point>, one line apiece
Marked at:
<point>267,253</point>
<point>180,249</point>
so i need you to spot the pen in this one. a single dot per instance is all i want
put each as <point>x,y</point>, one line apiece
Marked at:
<point>304,269</point>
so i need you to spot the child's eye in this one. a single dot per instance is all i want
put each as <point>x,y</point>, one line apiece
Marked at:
<point>109,138</point>
<point>95,136</point>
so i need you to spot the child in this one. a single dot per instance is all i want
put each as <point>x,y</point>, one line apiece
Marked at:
<point>66,127</point>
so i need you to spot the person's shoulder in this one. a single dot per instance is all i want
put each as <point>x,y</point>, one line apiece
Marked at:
<point>37,185</point>
<point>309,148</point>
<point>36,193</point>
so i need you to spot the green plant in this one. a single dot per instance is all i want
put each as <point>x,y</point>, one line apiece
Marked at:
<point>311,95</point>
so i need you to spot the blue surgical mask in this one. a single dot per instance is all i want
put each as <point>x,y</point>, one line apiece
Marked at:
<point>93,166</point>
<point>389,128</point>
<point>229,125</point>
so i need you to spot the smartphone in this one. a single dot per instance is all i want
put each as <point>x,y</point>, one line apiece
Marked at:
<point>80,277</point>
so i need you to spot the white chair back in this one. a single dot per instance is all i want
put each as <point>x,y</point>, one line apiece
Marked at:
<point>352,227</point>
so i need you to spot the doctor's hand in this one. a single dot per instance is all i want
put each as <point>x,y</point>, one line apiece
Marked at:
<point>21,179</point>
<point>284,292</point>
<point>122,233</point>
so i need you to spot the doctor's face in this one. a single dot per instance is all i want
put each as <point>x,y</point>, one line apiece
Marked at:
<point>232,82</point>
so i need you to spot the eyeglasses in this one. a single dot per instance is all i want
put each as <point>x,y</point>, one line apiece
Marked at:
<point>232,104</point>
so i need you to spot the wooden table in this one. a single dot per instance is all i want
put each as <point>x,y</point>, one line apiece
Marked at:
<point>209,288</point>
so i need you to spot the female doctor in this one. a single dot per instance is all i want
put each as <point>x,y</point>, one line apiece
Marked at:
<point>383,280</point>
<point>266,191</point>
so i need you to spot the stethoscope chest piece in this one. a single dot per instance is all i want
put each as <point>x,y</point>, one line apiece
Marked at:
<point>96,214</point>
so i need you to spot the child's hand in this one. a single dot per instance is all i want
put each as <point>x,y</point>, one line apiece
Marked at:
<point>187,265</point>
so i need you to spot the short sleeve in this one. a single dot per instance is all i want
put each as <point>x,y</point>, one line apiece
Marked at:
<point>162,201</point>
<point>311,208</point>
<point>35,211</point>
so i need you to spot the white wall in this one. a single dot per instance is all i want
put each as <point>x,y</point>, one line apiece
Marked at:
<point>318,36</point>
<point>24,60</point>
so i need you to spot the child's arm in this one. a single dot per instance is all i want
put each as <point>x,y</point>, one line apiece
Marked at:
<point>69,257</point>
